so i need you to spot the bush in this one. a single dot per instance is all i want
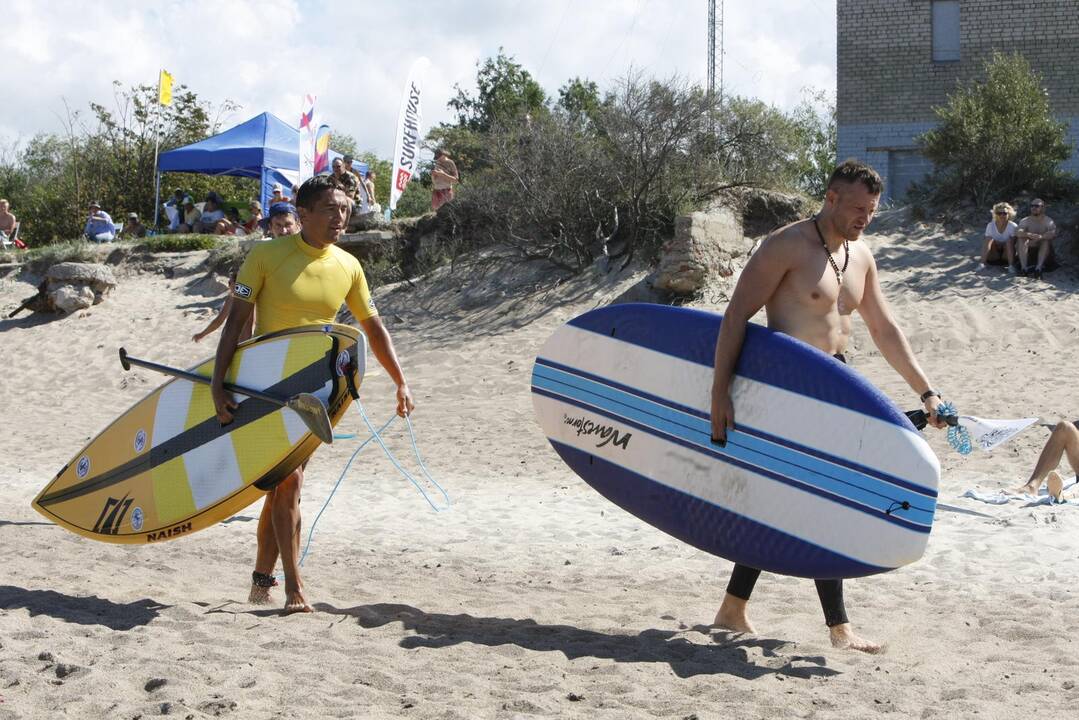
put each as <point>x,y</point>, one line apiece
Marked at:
<point>996,139</point>
<point>178,243</point>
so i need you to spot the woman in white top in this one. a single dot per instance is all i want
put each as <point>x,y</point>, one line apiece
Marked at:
<point>1000,236</point>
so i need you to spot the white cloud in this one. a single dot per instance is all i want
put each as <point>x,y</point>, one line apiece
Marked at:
<point>354,54</point>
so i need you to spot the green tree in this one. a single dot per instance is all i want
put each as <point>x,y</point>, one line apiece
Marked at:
<point>108,156</point>
<point>504,91</point>
<point>996,137</point>
<point>815,122</point>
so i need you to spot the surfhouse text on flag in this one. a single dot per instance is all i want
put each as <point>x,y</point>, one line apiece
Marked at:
<point>409,131</point>
<point>164,88</point>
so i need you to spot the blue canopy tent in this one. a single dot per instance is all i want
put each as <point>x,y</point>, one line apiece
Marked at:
<point>264,147</point>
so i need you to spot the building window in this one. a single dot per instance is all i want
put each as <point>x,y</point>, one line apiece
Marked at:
<point>945,30</point>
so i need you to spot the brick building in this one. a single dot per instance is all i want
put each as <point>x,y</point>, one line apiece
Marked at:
<point>897,59</point>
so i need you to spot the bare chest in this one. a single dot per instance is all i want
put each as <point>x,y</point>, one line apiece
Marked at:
<point>824,286</point>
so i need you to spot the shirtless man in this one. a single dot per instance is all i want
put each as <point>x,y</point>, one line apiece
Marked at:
<point>1063,441</point>
<point>296,280</point>
<point>7,220</point>
<point>810,277</point>
<point>1036,232</point>
<point>444,176</point>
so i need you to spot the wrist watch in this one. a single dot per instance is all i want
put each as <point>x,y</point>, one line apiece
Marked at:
<point>930,393</point>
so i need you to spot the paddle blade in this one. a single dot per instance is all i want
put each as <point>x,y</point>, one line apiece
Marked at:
<point>313,413</point>
<point>988,434</point>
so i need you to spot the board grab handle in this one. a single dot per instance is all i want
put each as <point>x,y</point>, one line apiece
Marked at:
<point>307,406</point>
<point>920,419</point>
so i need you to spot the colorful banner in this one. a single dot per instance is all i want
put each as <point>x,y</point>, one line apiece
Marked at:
<point>164,88</point>
<point>322,150</point>
<point>308,130</point>
<point>406,147</point>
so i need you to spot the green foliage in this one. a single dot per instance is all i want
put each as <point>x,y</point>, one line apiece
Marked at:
<point>608,175</point>
<point>66,251</point>
<point>996,138</point>
<point>504,91</point>
<point>416,199</point>
<point>108,156</point>
<point>179,243</point>
<point>815,147</point>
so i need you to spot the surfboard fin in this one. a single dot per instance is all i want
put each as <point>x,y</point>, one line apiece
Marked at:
<point>313,413</point>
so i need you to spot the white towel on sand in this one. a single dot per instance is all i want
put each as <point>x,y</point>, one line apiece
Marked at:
<point>1003,497</point>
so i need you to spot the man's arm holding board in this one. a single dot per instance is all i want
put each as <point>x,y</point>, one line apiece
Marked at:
<point>759,280</point>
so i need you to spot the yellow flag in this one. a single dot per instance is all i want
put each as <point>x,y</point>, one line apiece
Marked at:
<point>164,88</point>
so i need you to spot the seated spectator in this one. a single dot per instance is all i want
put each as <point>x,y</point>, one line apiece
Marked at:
<point>191,216</point>
<point>284,220</point>
<point>1063,442</point>
<point>279,195</point>
<point>231,224</point>
<point>174,209</point>
<point>7,221</point>
<point>1000,236</point>
<point>132,227</point>
<point>99,226</point>
<point>1036,232</point>
<point>211,214</point>
<point>255,211</point>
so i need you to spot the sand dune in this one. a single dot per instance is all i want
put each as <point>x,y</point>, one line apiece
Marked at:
<point>532,595</point>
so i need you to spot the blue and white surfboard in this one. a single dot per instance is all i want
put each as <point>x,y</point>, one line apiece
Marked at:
<point>822,477</point>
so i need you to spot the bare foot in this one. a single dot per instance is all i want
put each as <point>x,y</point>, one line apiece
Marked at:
<point>295,603</point>
<point>843,637</point>
<point>732,616</point>
<point>1055,484</point>
<point>1027,489</point>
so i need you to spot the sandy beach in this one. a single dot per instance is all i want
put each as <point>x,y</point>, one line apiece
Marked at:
<point>532,596</point>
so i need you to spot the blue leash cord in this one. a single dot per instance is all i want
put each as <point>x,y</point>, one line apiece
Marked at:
<point>958,436</point>
<point>377,435</point>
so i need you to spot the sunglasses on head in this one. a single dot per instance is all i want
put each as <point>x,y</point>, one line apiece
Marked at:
<point>1037,205</point>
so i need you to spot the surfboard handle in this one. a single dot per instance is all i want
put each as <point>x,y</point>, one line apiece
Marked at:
<point>307,406</point>
<point>920,420</point>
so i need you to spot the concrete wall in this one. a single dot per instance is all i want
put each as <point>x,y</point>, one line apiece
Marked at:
<point>888,82</point>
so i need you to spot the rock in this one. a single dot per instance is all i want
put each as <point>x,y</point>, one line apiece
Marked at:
<point>97,277</point>
<point>370,244</point>
<point>69,298</point>
<point>155,683</point>
<point>766,210</point>
<point>704,243</point>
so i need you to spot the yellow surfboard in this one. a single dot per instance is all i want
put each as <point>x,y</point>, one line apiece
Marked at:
<point>167,467</point>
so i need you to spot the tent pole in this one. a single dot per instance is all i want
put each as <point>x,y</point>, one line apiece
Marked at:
<point>157,194</point>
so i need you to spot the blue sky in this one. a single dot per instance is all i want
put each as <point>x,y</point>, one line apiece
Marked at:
<point>354,54</point>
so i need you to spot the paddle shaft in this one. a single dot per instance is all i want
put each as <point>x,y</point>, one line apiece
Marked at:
<point>127,361</point>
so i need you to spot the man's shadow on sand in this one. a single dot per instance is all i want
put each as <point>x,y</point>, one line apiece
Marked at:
<point>726,655</point>
<point>81,610</point>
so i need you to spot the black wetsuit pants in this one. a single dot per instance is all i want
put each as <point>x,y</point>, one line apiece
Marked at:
<point>830,592</point>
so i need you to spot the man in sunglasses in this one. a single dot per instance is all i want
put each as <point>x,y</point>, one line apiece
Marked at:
<point>1036,233</point>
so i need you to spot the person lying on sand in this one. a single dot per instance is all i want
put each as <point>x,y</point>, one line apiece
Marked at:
<point>1064,440</point>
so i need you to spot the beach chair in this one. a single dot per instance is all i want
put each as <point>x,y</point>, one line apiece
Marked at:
<point>13,241</point>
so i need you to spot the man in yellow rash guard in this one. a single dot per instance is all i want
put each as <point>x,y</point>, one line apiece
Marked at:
<point>300,280</point>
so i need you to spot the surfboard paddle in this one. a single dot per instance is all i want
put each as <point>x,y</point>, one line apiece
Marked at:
<point>985,433</point>
<point>307,406</point>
